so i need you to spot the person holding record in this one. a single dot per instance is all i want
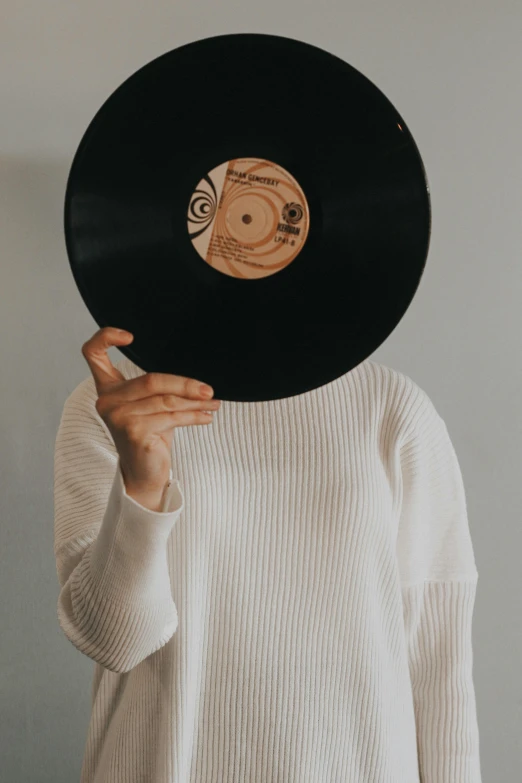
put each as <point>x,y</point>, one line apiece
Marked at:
<point>272,591</point>
<point>261,534</point>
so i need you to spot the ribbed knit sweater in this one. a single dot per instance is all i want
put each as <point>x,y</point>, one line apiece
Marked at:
<point>301,609</point>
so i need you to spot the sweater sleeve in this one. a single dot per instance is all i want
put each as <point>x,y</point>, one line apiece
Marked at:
<point>115,603</point>
<point>439,580</point>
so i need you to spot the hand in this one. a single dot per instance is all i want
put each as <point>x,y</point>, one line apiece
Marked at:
<point>142,414</point>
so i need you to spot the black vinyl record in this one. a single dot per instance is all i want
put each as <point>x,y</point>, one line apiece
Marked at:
<point>254,210</point>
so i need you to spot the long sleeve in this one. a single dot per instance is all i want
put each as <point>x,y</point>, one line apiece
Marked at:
<point>115,603</point>
<point>439,581</point>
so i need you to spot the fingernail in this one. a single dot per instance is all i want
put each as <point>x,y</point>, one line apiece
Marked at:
<point>207,391</point>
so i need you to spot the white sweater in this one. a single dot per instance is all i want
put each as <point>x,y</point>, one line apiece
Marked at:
<point>301,612</point>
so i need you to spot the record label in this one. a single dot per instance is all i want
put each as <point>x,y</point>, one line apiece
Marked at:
<point>248,218</point>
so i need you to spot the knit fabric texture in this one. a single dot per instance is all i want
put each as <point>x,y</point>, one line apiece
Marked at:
<point>299,612</point>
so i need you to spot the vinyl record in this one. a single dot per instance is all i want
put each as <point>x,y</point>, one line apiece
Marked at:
<point>254,210</point>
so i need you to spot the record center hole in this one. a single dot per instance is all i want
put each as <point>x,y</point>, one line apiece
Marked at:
<point>247,218</point>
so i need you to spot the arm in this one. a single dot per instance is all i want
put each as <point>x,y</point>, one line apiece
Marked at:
<point>115,603</point>
<point>439,581</point>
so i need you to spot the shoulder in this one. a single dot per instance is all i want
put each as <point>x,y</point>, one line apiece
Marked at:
<point>399,398</point>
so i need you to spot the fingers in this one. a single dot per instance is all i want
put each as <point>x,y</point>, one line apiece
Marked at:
<point>158,403</point>
<point>95,353</point>
<point>154,383</point>
<point>166,421</point>
<point>138,428</point>
<point>107,378</point>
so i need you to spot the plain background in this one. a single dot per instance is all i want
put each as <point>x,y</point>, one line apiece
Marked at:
<point>453,71</point>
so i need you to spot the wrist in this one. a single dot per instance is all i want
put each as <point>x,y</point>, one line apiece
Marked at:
<point>151,499</point>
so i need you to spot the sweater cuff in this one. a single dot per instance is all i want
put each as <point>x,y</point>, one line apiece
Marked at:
<point>128,560</point>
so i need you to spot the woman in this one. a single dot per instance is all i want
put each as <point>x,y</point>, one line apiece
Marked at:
<point>285,596</point>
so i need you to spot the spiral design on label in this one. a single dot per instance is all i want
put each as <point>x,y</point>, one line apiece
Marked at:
<point>202,206</point>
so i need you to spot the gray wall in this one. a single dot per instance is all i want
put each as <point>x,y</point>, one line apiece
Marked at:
<point>453,71</point>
